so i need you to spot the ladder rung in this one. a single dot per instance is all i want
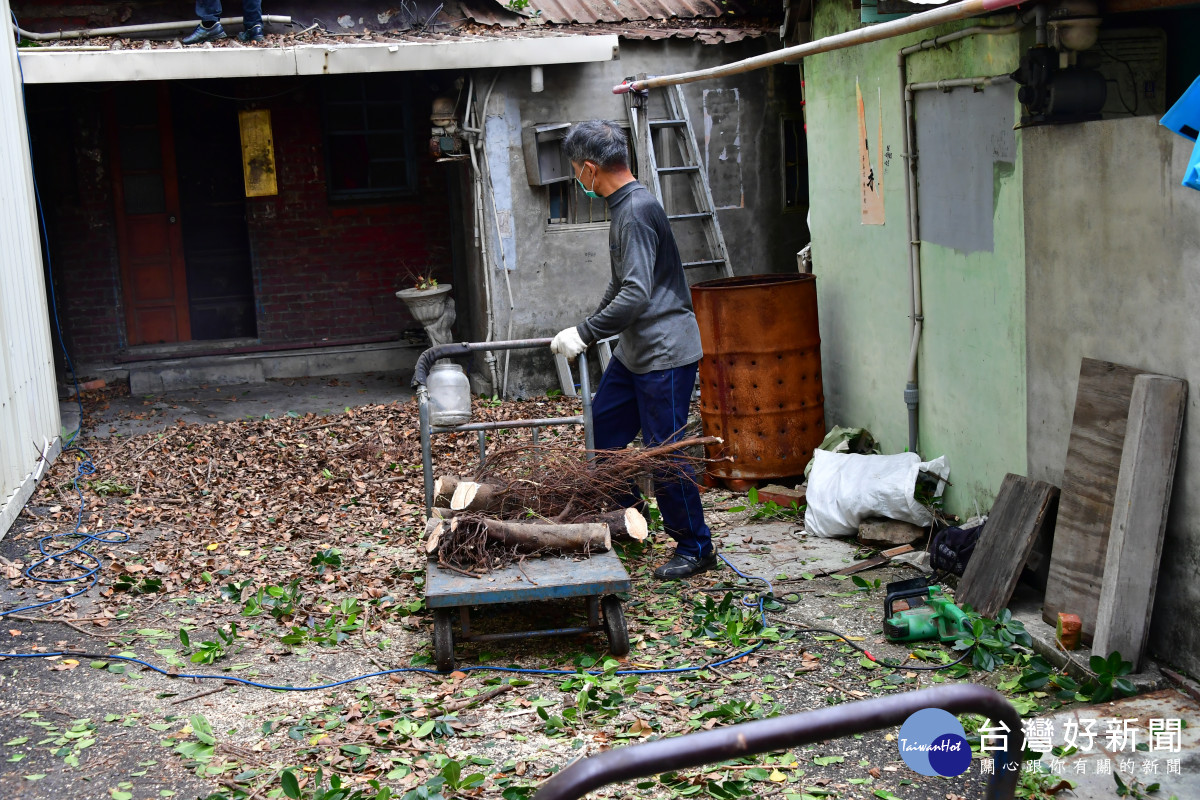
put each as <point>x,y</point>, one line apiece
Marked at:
<point>667,123</point>
<point>698,264</point>
<point>676,170</point>
<point>698,215</point>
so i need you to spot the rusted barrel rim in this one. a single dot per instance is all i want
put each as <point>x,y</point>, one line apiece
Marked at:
<point>751,281</point>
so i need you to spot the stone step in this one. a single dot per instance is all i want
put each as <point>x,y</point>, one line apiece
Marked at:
<point>170,374</point>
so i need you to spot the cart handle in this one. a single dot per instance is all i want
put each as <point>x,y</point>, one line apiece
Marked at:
<point>781,733</point>
<point>440,351</point>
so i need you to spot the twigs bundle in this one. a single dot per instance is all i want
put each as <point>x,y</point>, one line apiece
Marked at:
<point>560,484</point>
<point>532,500</point>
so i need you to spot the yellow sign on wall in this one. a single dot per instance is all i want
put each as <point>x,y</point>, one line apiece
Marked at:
<point>258,153</point>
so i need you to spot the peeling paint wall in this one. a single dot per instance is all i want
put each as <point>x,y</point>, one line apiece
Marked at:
<point>558,273</point>
<point>972,354</point>
<point>723,147</point>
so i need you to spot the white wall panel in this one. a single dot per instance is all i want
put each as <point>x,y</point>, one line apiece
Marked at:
<point>29,417</point>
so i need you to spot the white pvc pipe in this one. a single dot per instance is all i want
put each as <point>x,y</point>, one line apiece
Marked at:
<point>865,35</point>
<point>66,48</point>
<point>512,307</point>
<point>126,30</point>
<point>481,234</point>
<point>908,155</point>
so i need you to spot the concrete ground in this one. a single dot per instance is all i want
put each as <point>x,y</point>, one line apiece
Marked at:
<point>44,691</point>
<point>135,414</point>
<point>1171,760</point>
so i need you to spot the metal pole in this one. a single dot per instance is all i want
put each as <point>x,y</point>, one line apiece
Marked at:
<point>865,35</point>
<point>482,449</point>
<point>585,391</point>
<point>426,446</point>
<point>781,733</point>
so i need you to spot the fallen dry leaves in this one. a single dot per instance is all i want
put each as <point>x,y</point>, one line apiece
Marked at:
<point>255,500</point>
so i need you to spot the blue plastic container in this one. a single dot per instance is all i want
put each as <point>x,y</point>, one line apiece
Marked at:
<point>1184,116</point>
<point>1191,178</point>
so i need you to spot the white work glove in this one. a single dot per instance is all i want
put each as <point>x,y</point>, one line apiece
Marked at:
<point>567,343</point>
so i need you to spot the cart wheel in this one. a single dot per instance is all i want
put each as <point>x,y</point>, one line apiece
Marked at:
<point>614,625</point>
<point>443,641</point>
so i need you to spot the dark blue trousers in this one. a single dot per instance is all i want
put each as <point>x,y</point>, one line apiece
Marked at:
<point>210,11</point>
<point>656,404</point>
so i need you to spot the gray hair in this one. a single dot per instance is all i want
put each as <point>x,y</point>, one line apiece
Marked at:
<point>599,141</point>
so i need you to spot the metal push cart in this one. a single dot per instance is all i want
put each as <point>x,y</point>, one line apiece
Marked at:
<point>596,579</point>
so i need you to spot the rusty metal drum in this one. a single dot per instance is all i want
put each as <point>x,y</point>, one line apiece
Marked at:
<point>760,378</point>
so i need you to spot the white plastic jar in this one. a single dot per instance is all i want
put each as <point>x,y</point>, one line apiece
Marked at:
<point>449,395</point>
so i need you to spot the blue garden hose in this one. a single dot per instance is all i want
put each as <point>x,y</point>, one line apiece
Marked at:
<point>92,573</point>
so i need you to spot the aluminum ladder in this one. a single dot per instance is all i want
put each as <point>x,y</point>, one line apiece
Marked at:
<point>677,154</point>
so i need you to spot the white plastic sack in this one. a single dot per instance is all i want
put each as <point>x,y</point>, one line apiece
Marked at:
<point>846,488</point>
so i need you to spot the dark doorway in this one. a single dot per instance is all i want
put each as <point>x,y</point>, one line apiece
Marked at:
<point>212,201</point>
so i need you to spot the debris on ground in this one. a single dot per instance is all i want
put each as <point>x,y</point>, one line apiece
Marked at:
<point>289,552</point>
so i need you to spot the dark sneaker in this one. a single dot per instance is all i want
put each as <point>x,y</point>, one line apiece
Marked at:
<point>203,34</point>
<point>252,34</point>
<point>681,566</point>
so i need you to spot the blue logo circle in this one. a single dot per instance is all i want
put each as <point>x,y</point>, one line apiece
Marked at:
<point>932,742</point>
<point>950,755</point>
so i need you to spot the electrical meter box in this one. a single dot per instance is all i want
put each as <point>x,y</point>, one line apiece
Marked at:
<point>545,160</point>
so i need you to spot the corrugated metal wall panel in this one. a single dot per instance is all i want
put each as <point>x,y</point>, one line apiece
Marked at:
<point>29,417</point>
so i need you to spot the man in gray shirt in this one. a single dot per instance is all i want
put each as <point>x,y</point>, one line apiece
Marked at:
<point>648,384</point>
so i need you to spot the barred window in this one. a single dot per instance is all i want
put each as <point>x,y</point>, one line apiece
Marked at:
<point>569,205</point>
<point>368,142</point>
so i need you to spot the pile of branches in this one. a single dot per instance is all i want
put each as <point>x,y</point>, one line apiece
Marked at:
<point>546,499</point>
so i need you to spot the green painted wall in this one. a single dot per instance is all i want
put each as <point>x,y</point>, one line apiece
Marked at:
<point>972,356</point>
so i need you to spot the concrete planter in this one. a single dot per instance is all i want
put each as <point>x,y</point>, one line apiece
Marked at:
<point>434,309</point>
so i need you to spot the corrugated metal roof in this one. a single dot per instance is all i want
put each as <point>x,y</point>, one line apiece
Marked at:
<point>566,12</point>
<point>708,21</point>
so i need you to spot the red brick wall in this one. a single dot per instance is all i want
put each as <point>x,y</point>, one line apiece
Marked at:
<point>322,270</point>
<point>331,270</point>
<point>75,186</point>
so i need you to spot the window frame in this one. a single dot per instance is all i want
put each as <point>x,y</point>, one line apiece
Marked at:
<point>400,88</point>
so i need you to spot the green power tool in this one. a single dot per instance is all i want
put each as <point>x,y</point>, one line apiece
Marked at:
<point>930,616</point>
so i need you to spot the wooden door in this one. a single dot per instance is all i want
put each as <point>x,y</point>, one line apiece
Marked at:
<point>146,194</point>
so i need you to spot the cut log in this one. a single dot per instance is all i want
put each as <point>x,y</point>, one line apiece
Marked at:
<point>682,444</point>
<point>443,490</point>
<point>580,537</point>
<point>626,523</point>
<point>471,496</point>
<point>433,533</point>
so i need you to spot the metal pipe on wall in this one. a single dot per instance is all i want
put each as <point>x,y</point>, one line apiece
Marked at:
<point>499,237</point>
<point>126,30</point>
<point>866,35</point>
<point>912,392</point>
<point>481,236</point>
